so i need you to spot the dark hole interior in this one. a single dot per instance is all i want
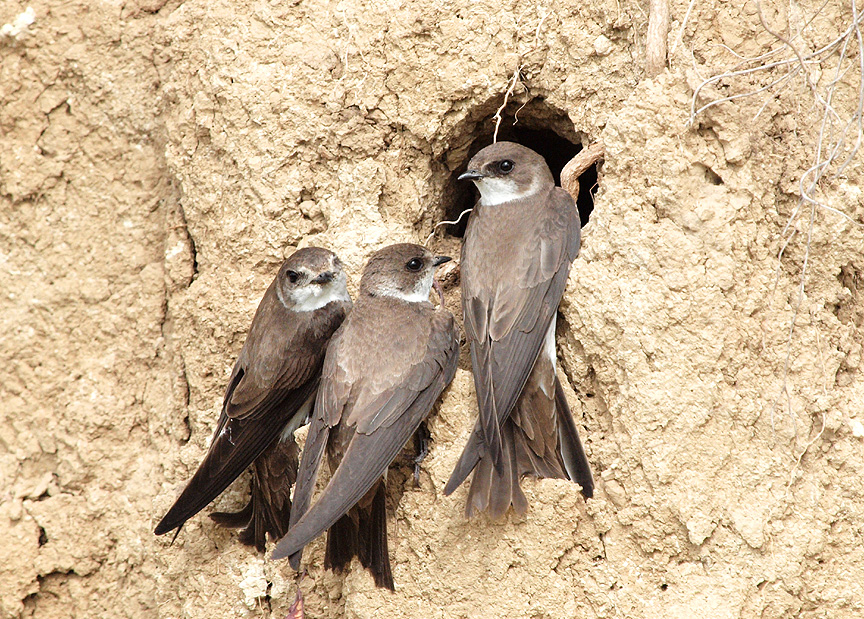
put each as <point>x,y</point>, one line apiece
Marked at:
<point>534,132</point>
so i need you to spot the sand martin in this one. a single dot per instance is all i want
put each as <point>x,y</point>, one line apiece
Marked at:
<point>521,239</point>
<point>385,368</point>
<point>269,395</point>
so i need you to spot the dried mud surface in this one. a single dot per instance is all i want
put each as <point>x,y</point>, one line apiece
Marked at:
<point>157,161</point>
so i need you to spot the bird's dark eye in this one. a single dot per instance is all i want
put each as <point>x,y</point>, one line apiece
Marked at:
<point>505,166</point>
<point>415,264</point>
<point>292,276</point>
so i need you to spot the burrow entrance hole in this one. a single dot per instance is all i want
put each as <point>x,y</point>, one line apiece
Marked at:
<point>537,125</point>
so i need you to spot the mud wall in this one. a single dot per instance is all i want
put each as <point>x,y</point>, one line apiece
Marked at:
<point>158,159</point>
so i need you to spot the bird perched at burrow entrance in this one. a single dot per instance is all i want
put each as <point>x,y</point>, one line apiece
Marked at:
<point>385,368</point>
<point>521,239</point>
<point>270,394</point>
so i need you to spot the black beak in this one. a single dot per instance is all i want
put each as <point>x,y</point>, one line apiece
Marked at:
<point>471,175</point>
<point>326,276</point>
<point>439,260</point>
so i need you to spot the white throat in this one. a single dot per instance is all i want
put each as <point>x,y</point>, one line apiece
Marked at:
<point>418,295</point>
<point>312,297</point>
<point>494,190</point>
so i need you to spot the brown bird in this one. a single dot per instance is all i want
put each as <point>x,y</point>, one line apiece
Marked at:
<point>384,370</point>
<point>270,395</point>
<point>521,239</point>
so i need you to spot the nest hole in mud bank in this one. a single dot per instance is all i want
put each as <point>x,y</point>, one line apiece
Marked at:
<point>538,126</point>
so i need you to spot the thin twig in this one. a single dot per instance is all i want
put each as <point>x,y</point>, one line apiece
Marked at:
<point>814,175</point>
<point>859,115</point>
<point>743,95</point>
<point>539,26</point>
<point>441,223</point>
<point>497,118</point>
<point>832,143</point>
<point>788,44</point>
<point>681,29</point>
<point>797,465</point>
<point>812,58</point>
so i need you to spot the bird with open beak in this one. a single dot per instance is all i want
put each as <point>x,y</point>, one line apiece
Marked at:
<point>269,395</point>
<point>522,237</point>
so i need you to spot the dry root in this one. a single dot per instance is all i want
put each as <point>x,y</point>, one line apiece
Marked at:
<point>655,45</point>
<point>576,167</point>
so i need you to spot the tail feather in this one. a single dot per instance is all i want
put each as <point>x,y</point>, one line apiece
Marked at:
<point>362,533</point>
<point>481,486</point>
<point>269,508</point>
<point>231,452</point>
<point>377,555</point>
<point>471,455</point>
<point>234,520</point>
<point>342,543</point>
<point>254,534</point>
<point>493,491</point>
<point>535,441</point>
<point>506,490</point>
<point>530,463</point>
<point>572,453</point>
